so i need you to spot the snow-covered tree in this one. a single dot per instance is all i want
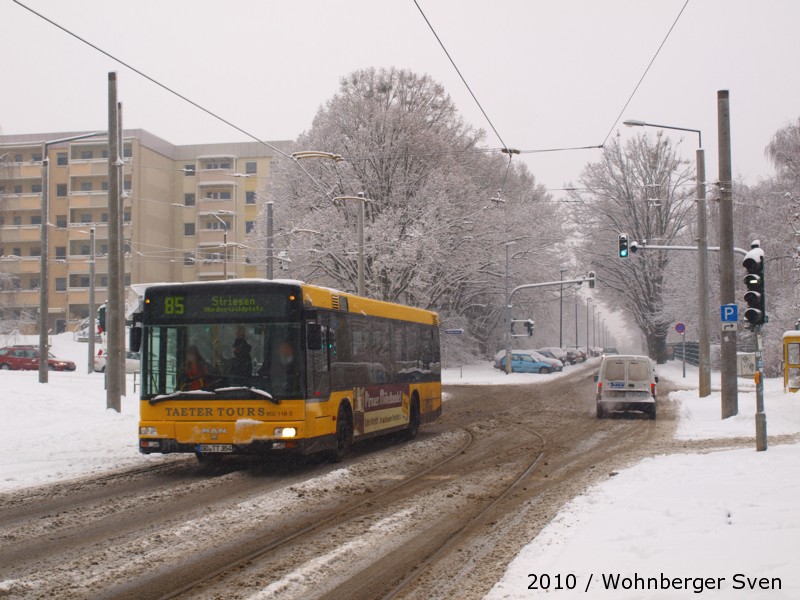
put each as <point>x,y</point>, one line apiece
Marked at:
<point>436,223</point>
<point>639,189</point>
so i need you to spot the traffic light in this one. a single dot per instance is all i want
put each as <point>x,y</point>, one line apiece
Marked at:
<point>592,279</point>
<point>101,319</point>
<point>529,324</point>
<point>756,313</point>
<point>623,245</point>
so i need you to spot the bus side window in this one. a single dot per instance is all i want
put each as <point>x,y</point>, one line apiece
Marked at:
<point>317,366</point>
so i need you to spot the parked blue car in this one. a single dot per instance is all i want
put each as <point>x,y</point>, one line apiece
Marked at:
<point>525,363</point>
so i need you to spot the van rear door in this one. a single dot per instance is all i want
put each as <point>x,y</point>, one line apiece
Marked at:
<point>638,378</point>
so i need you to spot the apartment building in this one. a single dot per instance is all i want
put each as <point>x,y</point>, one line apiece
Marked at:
<point>181,204</point>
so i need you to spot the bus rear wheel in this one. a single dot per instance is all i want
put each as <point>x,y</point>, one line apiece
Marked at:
<point>344,434</point>
<point>413,419</point>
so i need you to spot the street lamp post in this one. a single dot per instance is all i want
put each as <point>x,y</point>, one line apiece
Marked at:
<point>588,302</point>
<point>703,333</point>
<point>508,314</point>
<point>362,201</point>
<point>224,240</point>
<point>561,309</point>
<point>44,285</point>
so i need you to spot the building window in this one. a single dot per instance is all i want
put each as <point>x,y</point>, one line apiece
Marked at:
<point>17,220</point>
<point>222,195</point>
<point>104,281</point>
<point>2,189</point>
<point>34,283</point>
<point>86,186</point>
<point>127,279</point>
<point>36,188</point>
<point>126,185</point>
<point>104,217</point>
<point>17,189</point>
<point>188,259</point>
<point>61,221</point>
<point>61,190</point>
<point>36,157</point>
<point>250,168</point>
<point>188,229</point>
<point>105,153</point>
<point>248,226</point>
<point>16,252</point>
<point>36,220</point>
<point>126,216</point>
<point>61,252</point>
<point>104,250</point>
<point>188,200</point>
<point>104,186</point>
<point>62,159</point>
<point>36,251</point>
<point>18,158</point>
<point>61,284</point>
<point>127,151</point>
<point>249,197</point>
<point>188,170</point>
<point>86,218</point>
<point>87,155</point>
<point>2,222</point>
<point>78,281</point>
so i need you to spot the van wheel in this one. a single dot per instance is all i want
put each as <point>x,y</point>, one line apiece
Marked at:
<point>601,412</point>
<point>651,411</point>
<point>5,367</point>
<point>413,418</point>
<point>344,434</point>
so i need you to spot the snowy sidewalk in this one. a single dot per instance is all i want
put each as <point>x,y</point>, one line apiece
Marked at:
<point>721,524</point>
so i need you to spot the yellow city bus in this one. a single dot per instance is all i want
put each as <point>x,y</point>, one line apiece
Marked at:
<point>256,366</point>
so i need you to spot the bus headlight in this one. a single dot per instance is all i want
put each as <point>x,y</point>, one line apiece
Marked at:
<point>286,432</point>
<point>148,431</point>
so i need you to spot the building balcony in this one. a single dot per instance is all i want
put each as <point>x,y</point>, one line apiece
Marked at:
<point>95,167</point>
<point>24,170</point>
<point>222,177</point>
<point>81,295</point>
<point>211,237</point>
<point>21,233</point>
<point>21,202</point>
<point>80,231</point>
<point>19,298</point>
<point>212,268</point>
<point>20,265</point>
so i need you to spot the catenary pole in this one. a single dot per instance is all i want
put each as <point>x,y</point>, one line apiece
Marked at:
<point>120,365</point>
<point>270,232</point>
<point>114,304</point>
<point>92,316</point>
<point>44,279</point>
<point>702,272</point>
<point>727,293</point>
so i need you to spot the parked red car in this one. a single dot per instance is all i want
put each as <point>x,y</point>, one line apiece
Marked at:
<point>19,358</point>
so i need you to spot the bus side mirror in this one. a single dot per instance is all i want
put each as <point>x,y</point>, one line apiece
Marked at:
<point>135,333</point>
<point>135,339</point>
<point>596,378</point>
<point>314,336</point>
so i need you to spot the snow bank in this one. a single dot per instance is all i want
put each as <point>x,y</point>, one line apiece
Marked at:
<point>62,429</point>
<point>700,417</point>
<point>711,515</point>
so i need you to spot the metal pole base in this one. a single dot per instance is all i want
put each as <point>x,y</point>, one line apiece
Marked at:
<point>761,432</point>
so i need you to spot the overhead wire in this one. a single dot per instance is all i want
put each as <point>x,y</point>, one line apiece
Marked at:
<point>183,97</point>
<point>646,71</point>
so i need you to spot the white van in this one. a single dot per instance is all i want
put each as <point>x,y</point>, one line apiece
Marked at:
<point>626,382</point>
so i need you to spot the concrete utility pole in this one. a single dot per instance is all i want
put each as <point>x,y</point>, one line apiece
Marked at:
<point>121,251</point>
<point>508,313</point>
<point>270,233</point>
<point>576,319</point>
<point>114,354</point>
<point>704,362</point>
<point>727,292</point>
<point>588,301</point>
<point>92,310</point>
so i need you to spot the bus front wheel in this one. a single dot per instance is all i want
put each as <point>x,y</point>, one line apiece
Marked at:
<point>344,433</point>
<point>413,419</point>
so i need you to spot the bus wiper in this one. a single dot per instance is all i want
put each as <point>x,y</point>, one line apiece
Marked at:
<point>241,388</point>
<point>182,394</point>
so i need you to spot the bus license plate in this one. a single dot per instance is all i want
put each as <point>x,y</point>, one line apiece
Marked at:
<point>213,448</point>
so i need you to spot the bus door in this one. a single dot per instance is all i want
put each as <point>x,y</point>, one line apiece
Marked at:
<point>791,361</point>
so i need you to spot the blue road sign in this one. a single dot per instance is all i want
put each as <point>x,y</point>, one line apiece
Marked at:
<point>680,328</point>
<point>729,313</point>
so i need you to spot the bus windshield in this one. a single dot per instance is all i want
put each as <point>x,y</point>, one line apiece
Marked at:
<point>223,360</point>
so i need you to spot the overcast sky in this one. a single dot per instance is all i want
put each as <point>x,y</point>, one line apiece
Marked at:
<point>549,73</point>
